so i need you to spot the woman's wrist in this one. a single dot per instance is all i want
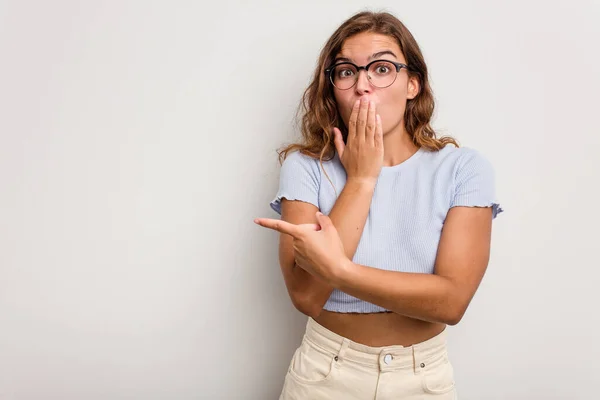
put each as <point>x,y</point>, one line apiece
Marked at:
<point>342,273</point>
<point>361,184</point>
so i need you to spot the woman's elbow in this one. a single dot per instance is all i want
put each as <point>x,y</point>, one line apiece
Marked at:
<point>452,319</point>
<point>454,313</point>
<point>306,305</point>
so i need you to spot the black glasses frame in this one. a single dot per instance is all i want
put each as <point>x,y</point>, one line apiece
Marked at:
<point>399,66</point>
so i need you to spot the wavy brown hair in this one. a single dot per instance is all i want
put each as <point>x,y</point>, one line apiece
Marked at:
<point>318,106</point>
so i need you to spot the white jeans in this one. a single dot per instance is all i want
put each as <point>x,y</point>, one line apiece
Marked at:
<point>329,366</point>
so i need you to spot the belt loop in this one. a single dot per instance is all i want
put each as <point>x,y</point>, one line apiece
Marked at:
<point>340,356</point>
<point>416,361</point>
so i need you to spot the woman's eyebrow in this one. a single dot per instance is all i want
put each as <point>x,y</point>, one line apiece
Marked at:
<point>374,55</point>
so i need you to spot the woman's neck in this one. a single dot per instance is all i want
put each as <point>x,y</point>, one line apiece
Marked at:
<point>398,146</point>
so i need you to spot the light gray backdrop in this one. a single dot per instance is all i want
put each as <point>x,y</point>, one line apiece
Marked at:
<point>137,143</point>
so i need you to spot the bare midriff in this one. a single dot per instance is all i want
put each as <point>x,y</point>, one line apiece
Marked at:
<point>379,329</point>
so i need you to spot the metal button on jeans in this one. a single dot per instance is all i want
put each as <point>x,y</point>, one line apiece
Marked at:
<point>388,358</point>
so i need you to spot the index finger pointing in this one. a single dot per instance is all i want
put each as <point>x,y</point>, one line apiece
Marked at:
<point>278,225</point>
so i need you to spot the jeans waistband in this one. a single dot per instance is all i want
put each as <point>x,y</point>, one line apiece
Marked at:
<point>385,357</point>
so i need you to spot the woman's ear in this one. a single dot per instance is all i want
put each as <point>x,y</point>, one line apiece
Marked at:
<point>413,87</point>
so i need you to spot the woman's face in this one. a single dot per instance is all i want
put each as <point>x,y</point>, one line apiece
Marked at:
<point>361,49</point>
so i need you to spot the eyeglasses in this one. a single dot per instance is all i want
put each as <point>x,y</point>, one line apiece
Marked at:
<point>381,73</point>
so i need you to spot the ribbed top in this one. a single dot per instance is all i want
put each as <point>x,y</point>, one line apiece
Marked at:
<point>408,209</point>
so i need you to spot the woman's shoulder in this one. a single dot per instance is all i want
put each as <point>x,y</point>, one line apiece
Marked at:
<point>298,157</point>
<point>470,173</point>
<point>457,158</point>
<point>299,160</point>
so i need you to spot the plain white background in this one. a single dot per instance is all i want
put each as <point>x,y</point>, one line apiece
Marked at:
<point>137,144</point>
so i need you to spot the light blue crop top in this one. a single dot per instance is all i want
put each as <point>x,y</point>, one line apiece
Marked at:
<point>407,212</point>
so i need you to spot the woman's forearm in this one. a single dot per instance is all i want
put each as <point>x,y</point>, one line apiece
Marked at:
<point>427,297</point>
<point>349,215</point>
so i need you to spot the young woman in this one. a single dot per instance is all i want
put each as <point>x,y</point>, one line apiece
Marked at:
<point>385,228</point>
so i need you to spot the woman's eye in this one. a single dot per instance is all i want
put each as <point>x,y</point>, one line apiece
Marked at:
<point>382,69</point>
<point>345,73</point>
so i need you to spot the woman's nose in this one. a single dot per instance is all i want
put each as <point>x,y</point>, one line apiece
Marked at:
<point>363,84</point>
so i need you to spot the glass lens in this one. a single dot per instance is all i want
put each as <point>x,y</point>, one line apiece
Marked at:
<point>382,73</point>
<point>343,76</point>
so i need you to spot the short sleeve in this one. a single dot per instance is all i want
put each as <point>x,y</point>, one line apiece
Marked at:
<point>475,182</point>
<point>299,179</point>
